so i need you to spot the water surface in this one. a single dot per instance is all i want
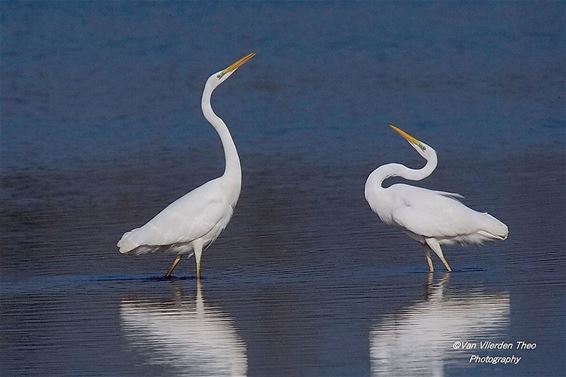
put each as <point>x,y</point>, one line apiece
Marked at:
<point>101,128</point>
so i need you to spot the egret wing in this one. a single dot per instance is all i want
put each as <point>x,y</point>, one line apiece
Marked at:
<point>188,218</point>
<point>179,226</point>
<point>434,214</point>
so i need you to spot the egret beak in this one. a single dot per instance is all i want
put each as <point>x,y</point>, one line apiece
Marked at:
<point>407,137</point>
<point>237,64</point>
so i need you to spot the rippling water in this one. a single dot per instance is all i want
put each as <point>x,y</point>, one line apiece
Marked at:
<point>101,128</point>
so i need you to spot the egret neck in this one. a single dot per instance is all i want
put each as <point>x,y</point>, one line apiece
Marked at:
<point>376,178</point>
<point>233,170</point>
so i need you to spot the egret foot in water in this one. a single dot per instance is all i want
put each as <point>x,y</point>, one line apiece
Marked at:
<point>428,258</point>
<point>175,263</point>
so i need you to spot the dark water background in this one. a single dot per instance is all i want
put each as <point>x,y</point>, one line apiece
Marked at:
<point>101,128</point>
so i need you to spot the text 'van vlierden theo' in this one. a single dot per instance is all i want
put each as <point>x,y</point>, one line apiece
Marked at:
<point>488,345</point>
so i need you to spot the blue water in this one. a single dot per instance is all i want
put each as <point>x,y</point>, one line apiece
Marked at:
<point>101,128</point>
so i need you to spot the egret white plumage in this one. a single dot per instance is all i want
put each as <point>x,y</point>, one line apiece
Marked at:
<point>191,223</point>
<point>432,218</point>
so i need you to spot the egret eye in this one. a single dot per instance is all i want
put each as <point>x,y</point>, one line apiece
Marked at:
<point>219,76</point>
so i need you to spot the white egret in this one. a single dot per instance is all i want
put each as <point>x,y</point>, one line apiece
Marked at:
<point>429,217</point>
<point>191,223</point>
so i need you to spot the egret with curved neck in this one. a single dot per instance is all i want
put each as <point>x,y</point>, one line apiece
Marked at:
<point>432,218</point>
<point>191,223</point>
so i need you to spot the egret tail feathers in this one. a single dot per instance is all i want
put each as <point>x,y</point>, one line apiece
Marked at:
<point>128,242</point>
<point>492,228</point>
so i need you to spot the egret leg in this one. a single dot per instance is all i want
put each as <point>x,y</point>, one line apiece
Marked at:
<point>435,246</point>
<point>428,258</point>
<point>175,263</point>
<point>197,247</point>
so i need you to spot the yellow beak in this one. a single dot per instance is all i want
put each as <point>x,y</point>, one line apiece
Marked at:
<point>237,64</point>
<point>406,136</point>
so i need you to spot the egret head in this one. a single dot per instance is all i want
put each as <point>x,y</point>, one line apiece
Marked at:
<point>424,150</point>
<point>221,76</point>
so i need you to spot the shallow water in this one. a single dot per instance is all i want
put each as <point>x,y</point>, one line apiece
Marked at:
<point>101,128</point>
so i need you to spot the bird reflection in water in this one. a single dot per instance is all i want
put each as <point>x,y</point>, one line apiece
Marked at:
<point>419,339</point>
<point>187,335</point>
